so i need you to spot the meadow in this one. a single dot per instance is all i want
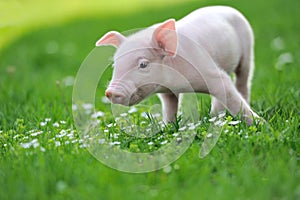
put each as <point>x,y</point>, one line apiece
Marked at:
<point>42,155</point>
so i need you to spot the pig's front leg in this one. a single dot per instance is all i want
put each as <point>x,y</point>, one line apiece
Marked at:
<point>223,89</point>
<point>216,106</point>
<point>169,103</point>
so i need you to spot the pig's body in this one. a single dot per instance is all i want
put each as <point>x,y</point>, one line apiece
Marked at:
<point>204,48</point>
<point>222,31</point>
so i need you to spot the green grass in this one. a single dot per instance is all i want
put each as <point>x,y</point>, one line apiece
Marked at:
<point>256,162</point>
<point>19,17</point>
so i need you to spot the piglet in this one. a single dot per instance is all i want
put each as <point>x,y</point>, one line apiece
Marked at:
<point>204,48</point>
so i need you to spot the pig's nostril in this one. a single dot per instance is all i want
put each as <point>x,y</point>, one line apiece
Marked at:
<point>108,94</point>
<point>113,95</point>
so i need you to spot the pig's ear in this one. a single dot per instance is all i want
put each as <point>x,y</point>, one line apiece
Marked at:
<point>165,37</point>
<point>111,38</point>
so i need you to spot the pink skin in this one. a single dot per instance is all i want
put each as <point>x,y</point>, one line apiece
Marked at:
<point>204,47</point>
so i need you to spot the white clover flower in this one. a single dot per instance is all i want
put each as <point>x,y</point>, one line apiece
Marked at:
<point>175,134</point>
<point>132,110</point>
<point>182,128</point>
<point>74,141</point>
<point>190,124</point>
<point>198,124</point>
<point>34,143</point>
<point>167,169</point>
<point>156,115</point>
<point>97,114</point>
<point>86,136</point>
<point>161,123</point>
<point>68,81</point>
<point>101,141</point>
<point>42,149</point>
<point>212,119</point>
<point>15,136</point>
<point>83,145</point>
<point>220,123</point>
<point>43,123</point>
<point>116,143</point>
<point>62,122</point>
<point>277,44</point>
<point>222,114</point>
<point>36,133</point>
<point>144,115</point>
<point>105,100</point>
<point>209,135</point>
<point>110,125</point>
<point>61,134</point>
<point>74,107</point>
<point>111,144</point>
<point>70,135</point>
<point>164,142</point>
<point>87,106</point>
<point>148,130</point>
<point>234,122</point>
<point>123,114</point>
<point>56,124</point>
<point>150,143</point>
<point>26,145</point>
<point>160,137</point>
<point>57,143</point>
<point>47,119</point>
<point>176,167</point>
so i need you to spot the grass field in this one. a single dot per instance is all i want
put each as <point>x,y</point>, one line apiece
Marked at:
<point>43,157</point>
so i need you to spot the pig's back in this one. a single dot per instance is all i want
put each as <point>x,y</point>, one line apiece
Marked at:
<point>222,31</point>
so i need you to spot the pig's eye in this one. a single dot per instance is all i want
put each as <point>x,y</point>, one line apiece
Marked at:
<point>143,64</point>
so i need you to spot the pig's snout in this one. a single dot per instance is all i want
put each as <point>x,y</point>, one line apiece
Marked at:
<point>114,97</point>
<point>110,94</point>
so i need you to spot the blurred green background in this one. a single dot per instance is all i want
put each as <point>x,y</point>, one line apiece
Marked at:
<point>42,45</point>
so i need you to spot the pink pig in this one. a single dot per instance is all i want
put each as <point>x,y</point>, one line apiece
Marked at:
<point>204,47</point>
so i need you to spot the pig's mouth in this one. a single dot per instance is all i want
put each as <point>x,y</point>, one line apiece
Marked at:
<point>141,93</point>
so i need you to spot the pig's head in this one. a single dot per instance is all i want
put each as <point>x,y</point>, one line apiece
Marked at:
<point>138,70</point>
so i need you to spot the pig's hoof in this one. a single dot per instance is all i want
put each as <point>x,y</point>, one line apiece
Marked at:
<point>255,120</point>
<point>217,112</point>
<point>259,121</point>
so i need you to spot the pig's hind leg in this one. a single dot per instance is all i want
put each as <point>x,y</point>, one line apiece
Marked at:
<point>169,106</point>
<point>243,77</point>
<point>226,92</point>
<point>244,73</point>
